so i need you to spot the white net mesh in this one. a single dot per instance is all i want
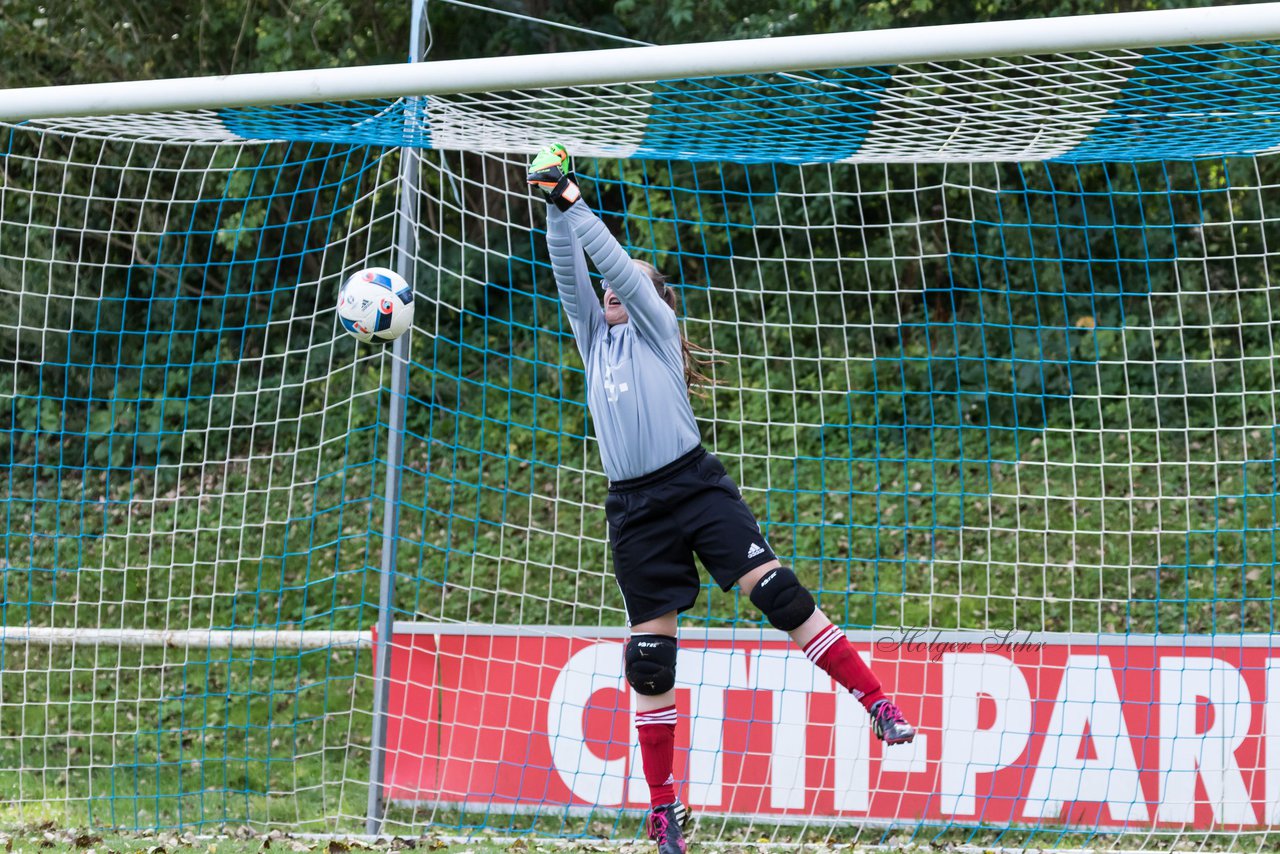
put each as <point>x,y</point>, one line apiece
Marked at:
<point>976,398</point>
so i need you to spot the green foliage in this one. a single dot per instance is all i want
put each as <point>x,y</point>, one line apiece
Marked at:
<point>129,40</point>
<point>667,23</point>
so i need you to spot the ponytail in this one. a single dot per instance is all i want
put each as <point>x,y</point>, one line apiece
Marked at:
<point>697,359</point>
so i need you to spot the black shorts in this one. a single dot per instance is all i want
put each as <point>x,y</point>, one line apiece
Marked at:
<point>658,522</point>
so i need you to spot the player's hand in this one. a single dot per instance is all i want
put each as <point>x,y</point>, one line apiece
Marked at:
<point>551,172</point>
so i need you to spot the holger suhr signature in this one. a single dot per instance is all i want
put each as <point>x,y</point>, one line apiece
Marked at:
<point>936,642</point>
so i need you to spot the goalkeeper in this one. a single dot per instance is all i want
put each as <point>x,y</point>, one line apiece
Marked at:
<point>669,499</point>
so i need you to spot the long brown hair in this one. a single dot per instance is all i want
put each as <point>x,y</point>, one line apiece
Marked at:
<point>697,359</point>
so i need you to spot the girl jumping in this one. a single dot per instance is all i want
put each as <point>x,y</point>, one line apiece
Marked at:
<point>670,499</point>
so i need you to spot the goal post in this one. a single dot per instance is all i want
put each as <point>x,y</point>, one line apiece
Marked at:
<point>995,330</point>
<point>406,239</point>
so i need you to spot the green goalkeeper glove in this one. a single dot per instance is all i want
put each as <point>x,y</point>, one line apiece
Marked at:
<point>552,173</point>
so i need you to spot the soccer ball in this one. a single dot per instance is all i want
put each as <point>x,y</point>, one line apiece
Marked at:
<point>376,303</point>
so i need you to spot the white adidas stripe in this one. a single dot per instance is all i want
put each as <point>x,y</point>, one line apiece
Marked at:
<point>822,643</point>
<point>645,719</point>
<point>816,652</point>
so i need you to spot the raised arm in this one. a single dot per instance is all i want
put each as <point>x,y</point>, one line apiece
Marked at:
<point>652,318</point>
<point>648,313</point>
<point>581,305</point>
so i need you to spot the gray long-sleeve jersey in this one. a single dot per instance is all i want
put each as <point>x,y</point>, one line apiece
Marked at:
<point>636,390</point>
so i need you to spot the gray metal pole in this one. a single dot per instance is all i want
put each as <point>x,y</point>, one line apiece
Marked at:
<point>405,240</point>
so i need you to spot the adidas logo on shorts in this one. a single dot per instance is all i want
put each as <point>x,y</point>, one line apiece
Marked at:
<point>754,551</point>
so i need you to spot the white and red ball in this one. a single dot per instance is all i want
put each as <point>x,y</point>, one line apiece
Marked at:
<point>376,304</point>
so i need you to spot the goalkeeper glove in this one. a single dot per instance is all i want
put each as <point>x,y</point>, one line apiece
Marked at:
<point>552,173</point>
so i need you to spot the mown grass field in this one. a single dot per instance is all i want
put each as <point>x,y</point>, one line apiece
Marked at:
<point>47,837</point>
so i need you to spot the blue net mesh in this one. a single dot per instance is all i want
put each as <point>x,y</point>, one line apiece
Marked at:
<point>1167,103</point>
<point>184,452</point>
<point>1033,396</point>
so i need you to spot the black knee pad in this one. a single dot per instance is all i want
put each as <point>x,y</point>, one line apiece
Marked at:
<point>783,599</point>
<point>651,664</point>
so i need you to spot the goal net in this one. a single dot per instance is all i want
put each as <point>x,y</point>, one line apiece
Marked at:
<point>996,370</point>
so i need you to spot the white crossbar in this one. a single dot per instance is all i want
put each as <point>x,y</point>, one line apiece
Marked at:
<point>750,56</point>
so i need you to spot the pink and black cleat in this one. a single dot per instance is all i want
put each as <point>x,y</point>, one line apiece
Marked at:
<point>666,827</point>
<point>889,724</point>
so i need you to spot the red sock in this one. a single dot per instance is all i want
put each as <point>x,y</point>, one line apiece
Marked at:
<point>832,651</point>
<point>657,731</point>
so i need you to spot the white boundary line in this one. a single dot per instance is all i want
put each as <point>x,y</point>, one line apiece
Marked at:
<point>1213,25</point>
<point>578,843</point>
<point>917,827</point>
<point>208,638</point>
<point>995,639</point>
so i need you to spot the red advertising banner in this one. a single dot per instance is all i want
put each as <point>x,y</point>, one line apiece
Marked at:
<point>1013,729</point>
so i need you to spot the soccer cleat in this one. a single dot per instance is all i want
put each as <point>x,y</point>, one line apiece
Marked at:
<point>889,724</point>
<point>667,824</point>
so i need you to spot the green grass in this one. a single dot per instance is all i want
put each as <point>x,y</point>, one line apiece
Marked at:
<point>159,737</point>
<point>48,838</point>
